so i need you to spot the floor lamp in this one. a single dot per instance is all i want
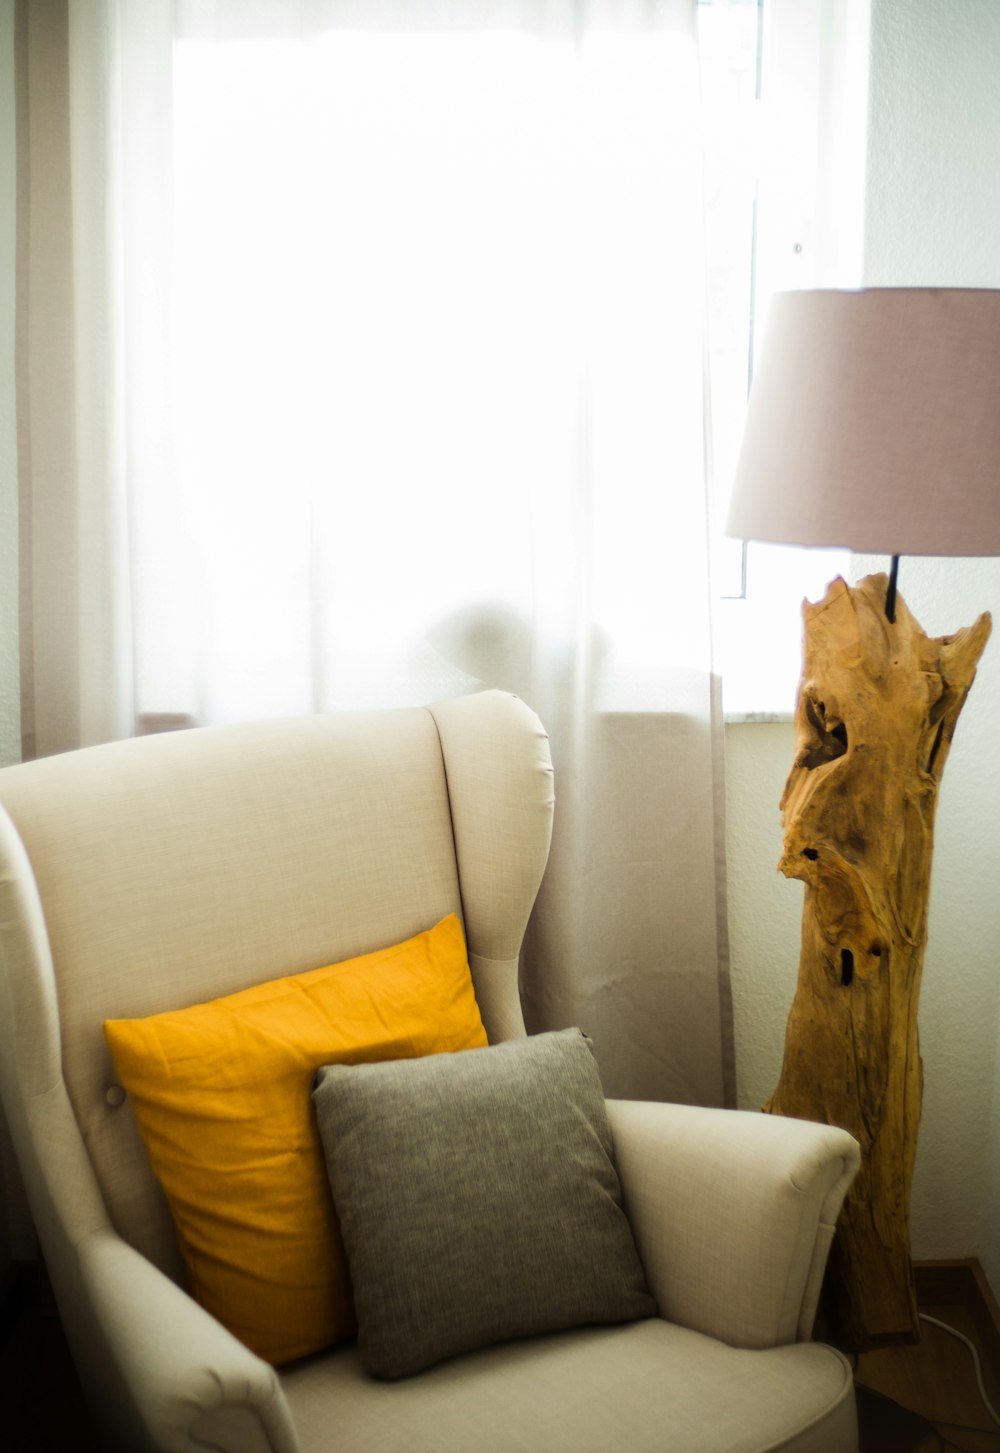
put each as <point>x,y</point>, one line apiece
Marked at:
<point>873,424</point>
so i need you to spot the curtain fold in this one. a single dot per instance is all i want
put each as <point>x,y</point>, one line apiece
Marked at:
<point>76,669</point>
<point>360,364</point>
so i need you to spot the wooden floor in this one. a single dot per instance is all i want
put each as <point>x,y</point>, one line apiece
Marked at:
<point>935,1380</point>
<point>910,1399</point>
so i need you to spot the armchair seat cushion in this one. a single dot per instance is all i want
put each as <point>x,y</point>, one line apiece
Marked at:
<point>646,1386</point>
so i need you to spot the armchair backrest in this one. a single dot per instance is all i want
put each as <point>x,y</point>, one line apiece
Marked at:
<point>164,871</point>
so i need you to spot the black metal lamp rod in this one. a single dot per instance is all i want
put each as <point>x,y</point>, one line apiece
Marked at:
<point>890,594</point>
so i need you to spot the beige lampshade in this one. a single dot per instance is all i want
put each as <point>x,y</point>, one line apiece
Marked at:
<point>874,424</point>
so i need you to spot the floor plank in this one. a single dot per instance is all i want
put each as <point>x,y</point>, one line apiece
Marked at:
<point>937,1381</point>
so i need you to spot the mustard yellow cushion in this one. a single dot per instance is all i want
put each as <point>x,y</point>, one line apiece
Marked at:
<point>221,1093</point>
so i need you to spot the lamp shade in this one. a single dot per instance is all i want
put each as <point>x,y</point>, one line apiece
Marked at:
<point>874,424</point>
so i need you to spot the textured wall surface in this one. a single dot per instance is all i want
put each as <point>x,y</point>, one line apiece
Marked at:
<point>933,200</point>
<point>933,218</point>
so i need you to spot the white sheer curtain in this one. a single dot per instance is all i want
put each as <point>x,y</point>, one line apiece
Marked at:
<point>361,364</point>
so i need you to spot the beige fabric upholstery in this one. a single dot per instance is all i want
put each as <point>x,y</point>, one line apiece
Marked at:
<point>648,1387</point>
<point>501,836</point>
<point>164,871</point>
<point>776,1185</point>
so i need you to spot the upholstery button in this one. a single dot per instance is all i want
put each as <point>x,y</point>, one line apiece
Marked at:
<point>115,1096</point>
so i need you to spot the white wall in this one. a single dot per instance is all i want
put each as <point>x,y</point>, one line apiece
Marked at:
<point>933,217</point>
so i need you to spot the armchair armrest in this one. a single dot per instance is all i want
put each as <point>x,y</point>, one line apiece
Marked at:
<point>184,1382</point>
<point>733,1214</point>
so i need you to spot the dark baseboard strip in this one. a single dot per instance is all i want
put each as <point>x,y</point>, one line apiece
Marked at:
<point>962,1283</point>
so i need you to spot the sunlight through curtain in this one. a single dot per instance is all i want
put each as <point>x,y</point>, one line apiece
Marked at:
<point>361,364</point>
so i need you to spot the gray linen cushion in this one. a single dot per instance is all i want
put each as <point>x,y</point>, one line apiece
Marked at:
<point>478,1199</point>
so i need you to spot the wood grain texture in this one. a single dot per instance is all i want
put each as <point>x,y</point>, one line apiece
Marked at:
<point>878,705</point>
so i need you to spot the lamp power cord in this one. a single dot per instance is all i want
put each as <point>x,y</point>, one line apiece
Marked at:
<point>954,1332</point>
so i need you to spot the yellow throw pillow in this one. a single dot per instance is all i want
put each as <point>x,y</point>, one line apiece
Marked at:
<point>221,1093</point>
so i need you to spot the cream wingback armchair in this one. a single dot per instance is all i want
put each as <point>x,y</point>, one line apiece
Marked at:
<point>144,879</point>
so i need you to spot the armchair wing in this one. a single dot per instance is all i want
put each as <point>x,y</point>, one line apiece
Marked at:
<point>166,1374</point>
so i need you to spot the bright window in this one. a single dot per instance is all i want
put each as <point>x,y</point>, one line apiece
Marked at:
<point>353,216</point>
<point>785,83</point>
<point>417,273</point>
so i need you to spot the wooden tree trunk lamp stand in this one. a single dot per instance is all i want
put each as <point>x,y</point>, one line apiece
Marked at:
<point>873,425</point>
<point>877,708</point>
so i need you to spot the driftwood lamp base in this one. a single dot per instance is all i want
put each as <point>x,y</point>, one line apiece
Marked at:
<point>878,705</point>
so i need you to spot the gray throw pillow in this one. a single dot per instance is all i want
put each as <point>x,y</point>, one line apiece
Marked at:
<point>478,1199</point>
